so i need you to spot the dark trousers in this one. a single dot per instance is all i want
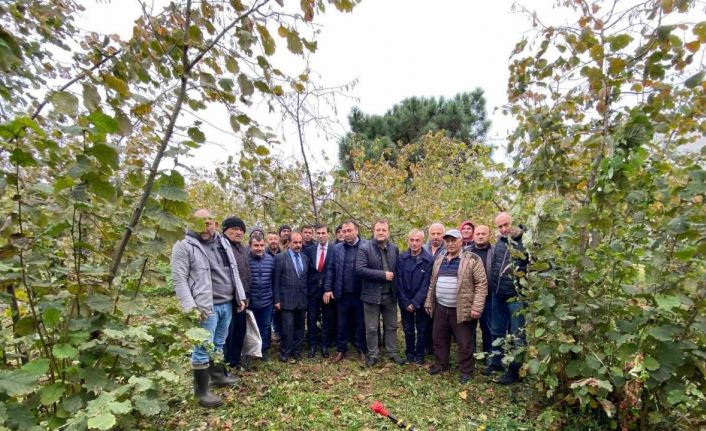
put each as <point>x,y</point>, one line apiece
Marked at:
<point>486,333</point>
<point>236,335</point>
<point>465,333</point>
<point>263,318</point>
<point>414,325</point>
<point>316,307</point>
<point>349,317</point>
<point>293,322</point>
<point>277,322</point>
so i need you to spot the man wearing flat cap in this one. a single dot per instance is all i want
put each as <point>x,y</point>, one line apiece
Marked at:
<point>234,231</point>
<point>455,300</point>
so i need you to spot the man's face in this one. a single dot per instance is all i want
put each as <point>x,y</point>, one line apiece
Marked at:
<point>481,236</point>
<point>284,234</point>
<point>436,235</point>
<point>257,247</point>
<point>504,224</point>
<point>322,235</point>
<point>381,232</point>
<point>234,234</point>
<point>415,242</point>
<point>273,241</point>
<point>295,243</point>
<point>203,223</point>
<point>453,245</point>
<point>339,235</point>
<point>467,232</point>
<point>349,232</point>
<point>307,234</point>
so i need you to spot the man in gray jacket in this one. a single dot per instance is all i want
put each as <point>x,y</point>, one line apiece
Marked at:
<point>375,266</point>
<point>207,282</point>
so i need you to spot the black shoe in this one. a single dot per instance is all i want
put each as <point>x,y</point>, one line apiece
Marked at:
<point>371,362</point>
<point>297,356</point>
<point>219,377</point>
<point>507,379</point>
<point>324,352</point>
<point>284,358</point>
<point>465,378</point>
<point>312,353</point>
<point>265,357</point>
<point>409,359</point>
<point>397,360</point>
<point>435,370</point>
<point>203,394</point>
<point>419,360</point>
<point>492,369</point>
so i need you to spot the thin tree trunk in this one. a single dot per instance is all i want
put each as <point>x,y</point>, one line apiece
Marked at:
<point>306,162</point>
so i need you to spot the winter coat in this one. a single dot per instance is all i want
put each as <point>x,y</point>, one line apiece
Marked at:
<point>290,287</point>
<point>502,276</point>
<point>191,274</point>
<point>472,286</point>
<point>427,248</point>
<point>261,272</point>
<point>335,273</point>
<point>413,285</point>
<point>370,269</point>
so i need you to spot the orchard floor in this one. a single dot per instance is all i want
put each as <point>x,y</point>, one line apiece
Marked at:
<point>317,395</point>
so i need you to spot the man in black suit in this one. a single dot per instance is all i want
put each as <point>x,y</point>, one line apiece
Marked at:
<point>290,289</point>
<point>319,258</point>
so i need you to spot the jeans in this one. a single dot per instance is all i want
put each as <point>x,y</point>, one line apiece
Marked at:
<point>414,325</point>
<point>236,336</point>
<point>316,306</point>
<point>505,318</point>
<point>349,314</point>
<point>263,318</point>
<point>388,308</point>
<point>217,327</point>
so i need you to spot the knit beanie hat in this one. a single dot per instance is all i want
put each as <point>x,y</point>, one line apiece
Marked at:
<point>233,222</point>
<point>283,227</point>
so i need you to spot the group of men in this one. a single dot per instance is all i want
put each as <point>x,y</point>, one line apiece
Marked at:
<point>291,280</point>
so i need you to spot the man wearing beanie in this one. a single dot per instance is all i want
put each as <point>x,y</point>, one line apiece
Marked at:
<point>209,295</point>
<point>284,232</point>
<point>234,231</point>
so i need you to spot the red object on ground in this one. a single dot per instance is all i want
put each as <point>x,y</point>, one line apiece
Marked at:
<point>378,408</point>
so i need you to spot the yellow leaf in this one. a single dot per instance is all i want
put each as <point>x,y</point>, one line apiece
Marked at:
<point>463,395</point>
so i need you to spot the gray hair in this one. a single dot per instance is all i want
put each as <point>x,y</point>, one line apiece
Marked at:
<point>416,232</point>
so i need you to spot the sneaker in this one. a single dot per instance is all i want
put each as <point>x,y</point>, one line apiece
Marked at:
<point>397,360</point>
<point>435,370</point>
<point>491,369</point>
<point>370,362</point>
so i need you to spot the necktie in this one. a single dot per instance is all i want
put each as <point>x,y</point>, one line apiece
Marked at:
<point>322,257</point>
<point>299,264</point>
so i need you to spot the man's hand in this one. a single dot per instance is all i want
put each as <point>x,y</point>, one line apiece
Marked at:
<point>328,296</point>
<point>475,314</point>
<point>278,306</point>
<point>242,307</point>
<point>411,308</point>
<point>389,275</point>
<point>428,309</point>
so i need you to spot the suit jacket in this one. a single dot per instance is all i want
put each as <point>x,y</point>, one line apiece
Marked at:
<point>316,279</point>
<point>370,269</point>
<point>290,288</point>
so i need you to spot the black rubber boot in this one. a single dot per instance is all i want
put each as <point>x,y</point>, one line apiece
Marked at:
<point>218,376</point>
<point>201,391</point>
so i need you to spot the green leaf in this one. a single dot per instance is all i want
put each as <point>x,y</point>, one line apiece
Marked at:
<point>667,302</point>
<point>120,407</point>
<point>146,406</point>
<point>262,150</point>
<point>294,43</point>
<point>51,317</point>
<point>100,186</point>
<point>695,80</point>
<point>116,84</point>
<point>52,393</point>
<point>100,303</point>
<point>22,158</point>
<point>94,379</point>
<point>263,87</point>
<point>246,86</point>
<point>104,122</point>
<point>16,383</point>
<point>106,154</point>
<point>197,335</point>
<point>232,65</point>
<point>141,384</point>
<point>64,103</point>
<point>103,421</point>
<point>651,363</point>
<point>64,351</point>
<point>91,97</point>
<point>665,332</point>
<point>25,326</point>
<point>619,41</point>
<point>268,43</point>
<point>36,367</point>
<point>234,124</point>
<point>196,134</point>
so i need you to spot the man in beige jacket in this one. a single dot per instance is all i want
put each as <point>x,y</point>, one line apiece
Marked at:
<point>455,300</point>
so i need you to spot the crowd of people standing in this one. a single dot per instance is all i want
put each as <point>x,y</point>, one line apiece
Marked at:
<point>334,292</point>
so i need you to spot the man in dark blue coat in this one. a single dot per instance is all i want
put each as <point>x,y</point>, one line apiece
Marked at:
<point>412,275</point>
<point>289,282</point>
<point>506,311</point>
<point>320,256</point>
<point>343,285</point>
<point>261,294</point>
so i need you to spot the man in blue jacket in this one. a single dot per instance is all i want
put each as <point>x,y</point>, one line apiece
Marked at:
<point>412,275</point>
<point>343,285</point>
<point>262,267</point>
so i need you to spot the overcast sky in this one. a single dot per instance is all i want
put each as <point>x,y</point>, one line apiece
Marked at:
<point>394,49</point>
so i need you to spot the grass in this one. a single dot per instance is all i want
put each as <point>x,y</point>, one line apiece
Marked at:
<point>317,395</point>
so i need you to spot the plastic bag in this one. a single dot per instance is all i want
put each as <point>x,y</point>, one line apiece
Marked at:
<point>252,345</point>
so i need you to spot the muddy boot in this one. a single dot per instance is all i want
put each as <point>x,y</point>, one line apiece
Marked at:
<point>201,378</point>
<point>218,376</point>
